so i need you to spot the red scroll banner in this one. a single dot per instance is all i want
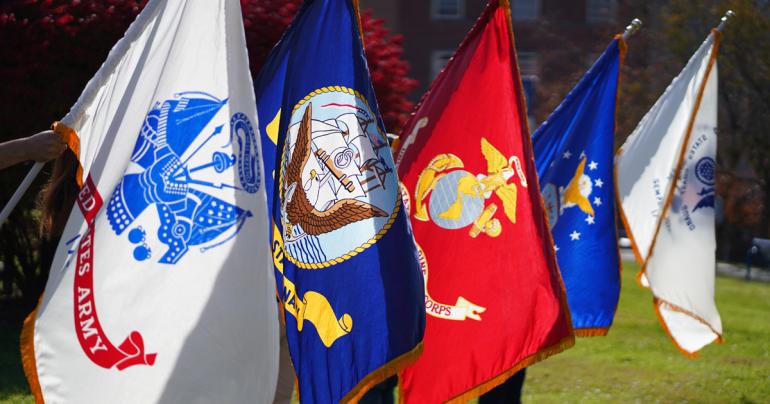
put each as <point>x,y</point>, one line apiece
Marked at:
<point>91,336</point>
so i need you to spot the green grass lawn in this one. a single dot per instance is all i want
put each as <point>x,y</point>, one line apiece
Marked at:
<point>13,385</point>
<point>636,362</point>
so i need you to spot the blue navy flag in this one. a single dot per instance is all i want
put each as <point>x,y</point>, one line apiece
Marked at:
<point>347,269</point>
<point>574,158</point>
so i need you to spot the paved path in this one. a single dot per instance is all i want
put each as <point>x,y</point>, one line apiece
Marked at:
<point>723,268</point>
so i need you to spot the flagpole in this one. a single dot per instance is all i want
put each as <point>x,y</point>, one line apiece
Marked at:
<point>729,14</point>
<point>25,183</point>
<point>631,28</point>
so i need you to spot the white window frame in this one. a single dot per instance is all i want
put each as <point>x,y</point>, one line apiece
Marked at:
<point>516,14</point>
<point>438,60</point>
<point>435,10</point>
<point>530,66</point>
<point>595,17</point>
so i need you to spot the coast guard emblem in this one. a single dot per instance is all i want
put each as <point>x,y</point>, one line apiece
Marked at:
<point>181,165</point>
<point>336,176</point>
<point>705,172</point>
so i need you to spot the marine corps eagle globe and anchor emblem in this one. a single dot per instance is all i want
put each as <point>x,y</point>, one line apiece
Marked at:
<point>458,198</point>
<point>453,199</point>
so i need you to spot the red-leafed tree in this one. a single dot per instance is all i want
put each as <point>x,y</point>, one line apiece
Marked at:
<point>265,21</point>
<point>49,49</point>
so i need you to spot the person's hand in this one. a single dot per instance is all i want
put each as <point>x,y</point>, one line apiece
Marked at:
<point>44,146</point>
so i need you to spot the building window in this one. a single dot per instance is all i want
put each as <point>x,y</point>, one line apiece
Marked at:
<point>525,10</point>
<point>591,58</point>
<point>447,9</point>
<point>528,63</point>
<point>529,70</point>
<point>529,85</point>
<point>600,11</point>
<point>439,59</point>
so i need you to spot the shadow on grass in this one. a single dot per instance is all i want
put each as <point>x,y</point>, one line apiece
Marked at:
<point>13,384</point>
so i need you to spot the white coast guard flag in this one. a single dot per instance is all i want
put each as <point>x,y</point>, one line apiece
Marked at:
<point>162,289</point>
<point>677,249</point>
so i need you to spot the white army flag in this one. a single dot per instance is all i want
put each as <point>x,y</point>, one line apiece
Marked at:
<point>161,289</point>
<point>671,223</point>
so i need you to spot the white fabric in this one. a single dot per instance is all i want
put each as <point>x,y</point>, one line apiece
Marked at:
<point>681,267</point>
<point>210,317</point>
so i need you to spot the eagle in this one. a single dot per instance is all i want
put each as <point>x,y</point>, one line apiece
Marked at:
<point>299,210</point>
<point>499,171</point>
<point>578,190</point>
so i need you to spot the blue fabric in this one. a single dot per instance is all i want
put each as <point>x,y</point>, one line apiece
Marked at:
<point>582,128</point>
<point>380,287</point>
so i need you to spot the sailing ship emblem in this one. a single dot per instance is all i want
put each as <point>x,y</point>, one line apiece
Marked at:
<point>337,173</point>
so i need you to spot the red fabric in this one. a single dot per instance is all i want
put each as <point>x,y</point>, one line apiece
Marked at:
<point>514,275</point>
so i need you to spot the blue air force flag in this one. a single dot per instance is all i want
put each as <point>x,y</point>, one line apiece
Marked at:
<point>573,154</point>
<point>161,289</point>
<point>347,270</point>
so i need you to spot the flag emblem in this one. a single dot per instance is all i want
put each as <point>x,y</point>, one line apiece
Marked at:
<point>704,172</point>
<point>579,191</point>
<point>335,176</point>
<point>459,198</point>
<point>165,172</point>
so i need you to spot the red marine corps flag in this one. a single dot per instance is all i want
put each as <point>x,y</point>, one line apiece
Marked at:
<point>493,293</point>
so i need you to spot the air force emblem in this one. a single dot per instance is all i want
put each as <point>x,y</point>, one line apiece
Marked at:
<point>577,193</point>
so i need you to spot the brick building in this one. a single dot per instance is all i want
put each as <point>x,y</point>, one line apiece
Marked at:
<point>556,39</point>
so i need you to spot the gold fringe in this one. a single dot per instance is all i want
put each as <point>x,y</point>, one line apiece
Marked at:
<point>357,10</point>
<point>27,348</point>
<point>72,139</point>
<point>383,372</point>
<point>566,342</point>
<point>591,332</point>
<point>622,50</point>
<point>622,214</point>
<point>657,302</point>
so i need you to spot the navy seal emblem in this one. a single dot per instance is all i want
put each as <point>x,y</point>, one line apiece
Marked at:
<point>336,176</point>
